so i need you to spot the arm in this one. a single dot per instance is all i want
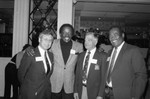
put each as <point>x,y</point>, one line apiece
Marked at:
<point>30,51</point>
<point>139,68</point>
<point>24,66</point>
<point>81,48</point>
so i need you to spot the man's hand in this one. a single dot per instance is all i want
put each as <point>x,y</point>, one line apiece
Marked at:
<point>76,96</point>
<point>98,97</point>
<point>30,51</point>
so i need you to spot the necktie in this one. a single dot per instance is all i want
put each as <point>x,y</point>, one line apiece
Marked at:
<point>111,65</point>
<point>47,64</point>
<point>85,67</point>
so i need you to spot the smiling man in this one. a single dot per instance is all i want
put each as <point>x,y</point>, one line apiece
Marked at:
<point>126,75</point>
<point>65,52</point>
<point>91,68</point>
<point>34,71</point>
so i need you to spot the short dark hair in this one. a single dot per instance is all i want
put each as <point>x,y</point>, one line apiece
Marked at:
<point>120,30</point>
<point>68,26</point>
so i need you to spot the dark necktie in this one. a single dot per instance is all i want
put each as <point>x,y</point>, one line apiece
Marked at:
<point>85,67</point>
<point>111,65</point>
<point>47,64</point>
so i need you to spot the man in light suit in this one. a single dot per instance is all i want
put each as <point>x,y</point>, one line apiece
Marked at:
<point>34,71</point>
<point>127,77</point>
<point>90,73</point>
<point>65,53</point>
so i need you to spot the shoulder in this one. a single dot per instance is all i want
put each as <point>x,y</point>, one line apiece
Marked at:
<point>133,50</point>
<point>82,53</point>
<point>77,43</point>
<point>132,47</point>
<point>56,41</point>
<point>101,53</point>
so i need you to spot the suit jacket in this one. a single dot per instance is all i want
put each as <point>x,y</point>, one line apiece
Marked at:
<point>63,74</point>
<point>35,83</point>
<point>129,73</point>
<point>96,75</point>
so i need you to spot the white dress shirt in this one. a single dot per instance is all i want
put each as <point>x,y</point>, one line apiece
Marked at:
<point>42,52</point>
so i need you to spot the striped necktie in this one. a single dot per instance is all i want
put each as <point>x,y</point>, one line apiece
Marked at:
<point>47,63</point>
<point>85,67</point>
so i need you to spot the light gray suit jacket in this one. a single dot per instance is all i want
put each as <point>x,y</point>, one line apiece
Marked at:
<point>63,74</point>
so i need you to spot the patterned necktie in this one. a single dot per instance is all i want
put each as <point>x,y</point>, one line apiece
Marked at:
<point>85,67</point>
<point>47,64</point>
<point>111,65</point>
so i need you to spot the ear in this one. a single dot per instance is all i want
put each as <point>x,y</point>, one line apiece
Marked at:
<point>39,39</point>
<point>123,35</point>
<point>96,40</point>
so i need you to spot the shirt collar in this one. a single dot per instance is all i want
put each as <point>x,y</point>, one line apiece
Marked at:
<point>42,51</point>
<point>120,46</point>
<point>92,51</point>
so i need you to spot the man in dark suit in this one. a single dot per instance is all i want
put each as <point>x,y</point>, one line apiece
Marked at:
<point>34,71</point>
<point>126,74</point>
<point>90,72</point>
<point>65,52</point>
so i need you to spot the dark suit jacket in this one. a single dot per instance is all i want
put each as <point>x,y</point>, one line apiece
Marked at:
<point>129,73</point>
<point>35,83</point>
<point>96,75</point>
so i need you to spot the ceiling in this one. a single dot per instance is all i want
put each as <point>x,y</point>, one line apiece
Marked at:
<point>128,11</point>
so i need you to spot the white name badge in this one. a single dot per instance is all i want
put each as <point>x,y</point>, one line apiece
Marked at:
<point>38,59</point>
<point>94,61</point>
<point>72,51</point>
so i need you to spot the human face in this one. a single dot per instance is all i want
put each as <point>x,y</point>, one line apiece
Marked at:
<point>66,34</point>
<point>115,37</point>
<point>90,42</point>
<point>45,41</point>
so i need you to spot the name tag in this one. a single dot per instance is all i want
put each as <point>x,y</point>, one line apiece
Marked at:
<point>72,51</point>
<point>38,59</point>
<point>94,61</point>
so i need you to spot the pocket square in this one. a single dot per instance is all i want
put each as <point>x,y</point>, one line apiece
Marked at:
<point>97,67</point>
<point>108,58</point>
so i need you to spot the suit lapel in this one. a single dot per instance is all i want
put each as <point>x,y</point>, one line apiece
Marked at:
<point>81,62</point>
<point>60,53</point>
<point>71,55</point>
<point>51,60</point>
<point>116,65</point>
<point>74,47</point>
